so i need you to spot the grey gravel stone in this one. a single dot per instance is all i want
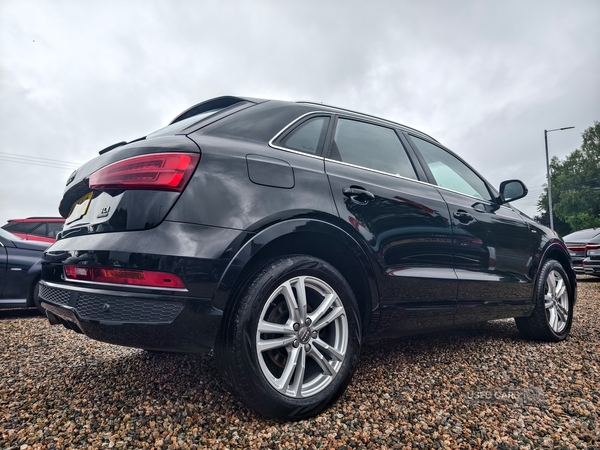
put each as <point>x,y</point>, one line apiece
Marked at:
<point>477,387</point>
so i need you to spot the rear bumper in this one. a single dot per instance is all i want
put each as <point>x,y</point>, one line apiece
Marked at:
<point>134,319</point>
<point>591,266</point>
<point>577,264</point>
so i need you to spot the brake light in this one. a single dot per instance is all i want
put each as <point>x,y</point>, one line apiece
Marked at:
<point>156,171</point>
<point>592,246</point>
<point>123,276</point>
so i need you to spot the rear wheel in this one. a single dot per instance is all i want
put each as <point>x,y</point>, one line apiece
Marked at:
<point>290,343</point>
<point>553,314</point>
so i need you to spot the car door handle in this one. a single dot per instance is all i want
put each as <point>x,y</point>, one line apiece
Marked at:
<point>359,193</point>
<point>463,216</point>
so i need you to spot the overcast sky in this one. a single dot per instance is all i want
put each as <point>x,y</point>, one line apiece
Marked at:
<point>484,78</point>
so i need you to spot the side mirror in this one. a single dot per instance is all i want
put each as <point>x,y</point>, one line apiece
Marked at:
<point>512,190</point>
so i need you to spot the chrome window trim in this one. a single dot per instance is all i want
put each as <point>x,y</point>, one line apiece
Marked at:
<point>490,202</point>
<point>292,124</point>
<point>376,171</point>
<point>296,152</point>
<point>368,117</point>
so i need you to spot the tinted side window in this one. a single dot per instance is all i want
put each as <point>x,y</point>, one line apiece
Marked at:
<point>54,228</point>
<point>451,173</point>
<point>39,231</point>
<point>20,227</point>
<point>371,146</point>
<point>308,137</point>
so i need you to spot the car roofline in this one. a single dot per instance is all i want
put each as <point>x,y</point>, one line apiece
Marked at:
<point>234,98</point>
<point>370,116</point>
<point>57,219</point>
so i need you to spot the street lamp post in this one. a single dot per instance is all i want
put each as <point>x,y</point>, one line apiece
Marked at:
<point>548,173</point>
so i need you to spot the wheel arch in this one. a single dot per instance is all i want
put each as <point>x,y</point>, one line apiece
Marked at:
<point>311,237</point>
<point>557,250</point>
<point>31,290</point>
<point>34,273</point>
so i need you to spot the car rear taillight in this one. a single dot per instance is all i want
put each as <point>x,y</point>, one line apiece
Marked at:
<point>592,249</point>
<point>156,171</point>
<point>123,276</point>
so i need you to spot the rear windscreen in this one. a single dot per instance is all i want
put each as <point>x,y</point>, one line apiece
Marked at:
<point>583,235</point>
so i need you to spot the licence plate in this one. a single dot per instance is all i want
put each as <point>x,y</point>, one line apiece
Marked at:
<point>79,208</point>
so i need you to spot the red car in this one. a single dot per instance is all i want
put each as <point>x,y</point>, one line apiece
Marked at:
<point>43,229</point>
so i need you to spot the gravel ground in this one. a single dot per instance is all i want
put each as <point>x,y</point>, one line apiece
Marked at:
<point>477,387</point>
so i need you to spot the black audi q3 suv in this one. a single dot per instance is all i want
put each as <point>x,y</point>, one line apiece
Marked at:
<point>282,235</point>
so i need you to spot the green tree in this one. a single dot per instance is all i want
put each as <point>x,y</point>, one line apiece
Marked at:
<point>576,184</point>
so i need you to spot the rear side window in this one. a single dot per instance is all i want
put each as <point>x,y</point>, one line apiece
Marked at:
<point>308,137</point>
<point>54,228</point>
<point>20,227</point>
<point>40,231</point>
<point>450,172</point>
<point>371,146</point>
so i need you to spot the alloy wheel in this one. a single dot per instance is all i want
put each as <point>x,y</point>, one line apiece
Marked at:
<point>556,301</point>
<point>302,337</point>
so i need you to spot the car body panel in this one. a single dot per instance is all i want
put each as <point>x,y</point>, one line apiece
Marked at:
<point>408,231</point>
<point>118,210</point>
<point>491,246</point>
<point>297,228</point>
<point>20,267</point>
<point>193,252</point>
<point>225,185</point>
<point>417,267</point>
<point>103,314</point>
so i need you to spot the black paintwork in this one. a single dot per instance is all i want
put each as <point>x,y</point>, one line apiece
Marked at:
<point>417,256</point>
<point>20,268</point>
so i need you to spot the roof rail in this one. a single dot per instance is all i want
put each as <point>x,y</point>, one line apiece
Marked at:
<point>367,115</point>
<point>37,218</point>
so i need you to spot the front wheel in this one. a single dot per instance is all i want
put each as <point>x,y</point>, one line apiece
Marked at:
<point>553,314</point>
<point>290,343</point>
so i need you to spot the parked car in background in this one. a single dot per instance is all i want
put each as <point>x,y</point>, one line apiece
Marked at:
<point>281,234</point>
<point>20,267</point>
<point>584,248</point>
<point>43,229</point>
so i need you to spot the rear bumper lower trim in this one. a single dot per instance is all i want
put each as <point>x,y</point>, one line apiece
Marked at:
<point>131,319</point>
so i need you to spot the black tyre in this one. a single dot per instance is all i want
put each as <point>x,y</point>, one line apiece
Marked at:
<point>36,298</point>
<point>553,314</point>
<point>289,344</point>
